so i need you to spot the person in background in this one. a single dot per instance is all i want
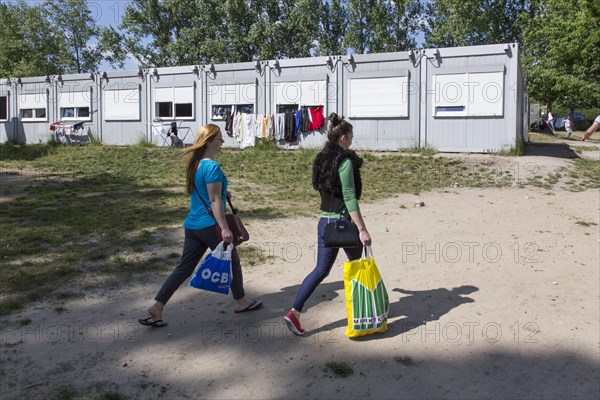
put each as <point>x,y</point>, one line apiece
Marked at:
<point>551,121</point>
<point>593,128</point>
<point>336,176</point>
<point>568,126</point>
<point>204,177</point>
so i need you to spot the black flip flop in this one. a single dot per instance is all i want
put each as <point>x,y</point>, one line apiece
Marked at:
<point>254,305</point>
<point>159,323</point>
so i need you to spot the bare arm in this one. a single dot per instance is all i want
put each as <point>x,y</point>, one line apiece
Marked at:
<point>214,195</point>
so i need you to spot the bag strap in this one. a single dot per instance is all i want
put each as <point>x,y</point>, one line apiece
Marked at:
<point>208,210</point>
<point>233,209</point>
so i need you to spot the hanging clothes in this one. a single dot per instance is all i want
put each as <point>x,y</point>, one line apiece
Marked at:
<point>265,127</point>
<point>304,120</point>
<point>298,120</point>
<point>260,123</point>
<point>229,123</point>
<point>249,131</point>
<point>280,127</point>
<point>316,116</point>
<point>238,126</point>
<point>272,123</point>
<point>290,126</point>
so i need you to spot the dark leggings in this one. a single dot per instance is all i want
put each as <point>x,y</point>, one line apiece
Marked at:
<point>195,245</point>
<point>325,260</point>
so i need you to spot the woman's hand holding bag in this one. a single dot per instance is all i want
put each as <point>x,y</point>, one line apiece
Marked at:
<point>214,272</point>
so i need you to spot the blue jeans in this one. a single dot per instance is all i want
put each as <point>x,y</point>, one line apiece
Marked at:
<point>325,260</point>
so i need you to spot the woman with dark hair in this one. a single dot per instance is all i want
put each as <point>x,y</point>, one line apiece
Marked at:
<point>336,176</point>
<point>204,177</point>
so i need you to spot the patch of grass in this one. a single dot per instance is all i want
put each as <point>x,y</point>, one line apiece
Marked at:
<point>339,369</point>
<point>404,360</point>
<point>252,255</point>
<point>11,304</point>
<point>427,151</point>
<point>111,395</point>
<point>143,141</point>
<point>585,223</point>
<point>65,392</point>
<point>94,139</point>
<point>68,295</point>
<point>25,152</point>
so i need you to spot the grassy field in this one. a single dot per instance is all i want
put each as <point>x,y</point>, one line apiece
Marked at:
<point>77,218</point>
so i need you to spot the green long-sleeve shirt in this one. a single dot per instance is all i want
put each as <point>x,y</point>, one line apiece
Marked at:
<point>348,189</point>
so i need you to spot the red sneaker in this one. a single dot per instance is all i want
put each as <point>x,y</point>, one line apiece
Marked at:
<point>293,324</point>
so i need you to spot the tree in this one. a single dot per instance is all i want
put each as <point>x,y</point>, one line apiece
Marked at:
<point>333,26</point>
<point>561,51</point>
<point>407,23</point>
<point>359,30</point>
<point>381,25</point>
<point>155,32</point>
<point>300,28</point>
<point>28,46</point>
<point>475,22</point>
<point>72,20</point>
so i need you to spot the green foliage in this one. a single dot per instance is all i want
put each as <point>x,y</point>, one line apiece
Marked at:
<point>561,51</point>
<point>334,17</point>
<point>73,19</point>
<point>169,33</point>
<point>382,26</point>
<point>28,45</point>
<point>475,22</point>
<point>57,36</point>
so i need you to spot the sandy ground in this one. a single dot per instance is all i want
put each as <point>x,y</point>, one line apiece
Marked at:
<point>494,294</point>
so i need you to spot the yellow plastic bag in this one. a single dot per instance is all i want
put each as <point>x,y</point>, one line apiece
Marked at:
<point>367,302</point>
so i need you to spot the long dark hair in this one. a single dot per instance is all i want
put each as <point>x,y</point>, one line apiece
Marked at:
<point>338,127</point>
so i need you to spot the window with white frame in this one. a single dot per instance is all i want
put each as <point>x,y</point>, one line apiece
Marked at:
<point>472,94</point>
<point>174,103</point>
<point>75,106</point>
<point>3,108</point>
<point>231,98</point>
<point>378,97</point>
<point>122,105</point>
<point>32,107</point>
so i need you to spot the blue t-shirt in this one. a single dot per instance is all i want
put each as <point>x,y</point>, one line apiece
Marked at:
<point>209,171</point>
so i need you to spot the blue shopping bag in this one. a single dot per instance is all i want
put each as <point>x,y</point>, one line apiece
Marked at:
<point>214,272</point>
